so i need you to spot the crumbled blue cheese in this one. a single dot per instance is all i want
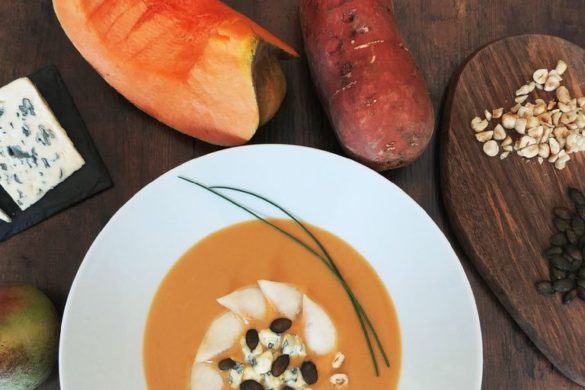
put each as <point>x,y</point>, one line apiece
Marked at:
<point>250,356</point>
<point>264,362</point>
<point>269,339</point>
<point>293,346</point>
<point>4,217</point>
<point>257,364</point>
<point>36,154</point>
<point>272,382</point>
<point>251,374</point>
<point>235,376</point>
<point>293,378</point>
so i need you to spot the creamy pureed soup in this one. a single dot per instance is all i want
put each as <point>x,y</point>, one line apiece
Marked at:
<point>241,255</point>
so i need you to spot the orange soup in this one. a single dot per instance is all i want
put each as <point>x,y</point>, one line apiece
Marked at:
<point>240,255</point>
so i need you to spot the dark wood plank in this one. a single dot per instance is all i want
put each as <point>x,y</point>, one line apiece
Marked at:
<point>441,34</point>
<point>501,210</point>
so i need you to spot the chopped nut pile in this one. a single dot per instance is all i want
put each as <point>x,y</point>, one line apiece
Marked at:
<point>549,131</point>
<point>269,359</point>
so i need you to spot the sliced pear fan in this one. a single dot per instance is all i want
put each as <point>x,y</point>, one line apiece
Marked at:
<point>221,335</point>
<point>247,302</point>
<point>205,377</point>
<point>285,298</point>
<point>320,333</point>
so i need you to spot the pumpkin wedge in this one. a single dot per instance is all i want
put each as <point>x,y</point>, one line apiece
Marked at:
<point>196,65</point>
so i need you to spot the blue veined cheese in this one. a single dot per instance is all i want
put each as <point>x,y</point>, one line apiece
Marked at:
<point>36,155</point>
<point>4,217</point>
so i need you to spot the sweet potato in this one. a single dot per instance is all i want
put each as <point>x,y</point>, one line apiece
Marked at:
<point>367,80</point>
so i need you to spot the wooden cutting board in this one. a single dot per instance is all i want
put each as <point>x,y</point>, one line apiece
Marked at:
<point>501,211</point>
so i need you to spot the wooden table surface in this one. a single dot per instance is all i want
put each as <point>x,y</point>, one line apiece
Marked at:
<point>441,35</point>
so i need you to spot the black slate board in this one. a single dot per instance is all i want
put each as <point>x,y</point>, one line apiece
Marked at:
<point>91,179</point>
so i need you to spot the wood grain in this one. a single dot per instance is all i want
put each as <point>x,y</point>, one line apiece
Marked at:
<point>137,149</point>
<point>501,210</point>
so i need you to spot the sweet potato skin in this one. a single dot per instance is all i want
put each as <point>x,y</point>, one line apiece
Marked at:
<point>367,80</point>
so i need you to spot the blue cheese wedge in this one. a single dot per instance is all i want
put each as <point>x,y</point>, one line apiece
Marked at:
<point>36,155</point>
<point>4,217</point>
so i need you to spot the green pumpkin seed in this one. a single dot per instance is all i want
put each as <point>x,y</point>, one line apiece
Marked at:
<point>556,274</point>
<point>559,239</point>
<point>575,265</point>
<point>563,285</point>
<point>581,273</point>
<point>576,196</point>
<point>581,293</point>
<point>553,250</point>
<point>581,211</point>
<point>545,288</point>
<point>562,212</point>
<point>578,225</point>
<point>560,262</point>
<point>572,236</point>
<point>573,252</point>
<point>569,297</point>
<point>581,283</point>
<point>562,225</point>
<point>581,242</point>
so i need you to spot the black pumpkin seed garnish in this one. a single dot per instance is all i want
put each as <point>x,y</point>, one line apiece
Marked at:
<point>545,288</point>
<point>252,339</point>
<point>309,372</point>
<point>581,283</point>
<point>561,263</point>
<point>581,293</point>
<point>576,196</point>
<point>562,212</point>
<point>280,365</point>
<point>563,285</point>
<point>559,239</point>
<point>251,385</point>
<point>280,325</point>
<point>581,273</point>
<point>226,364</point>
<point>569,297</point>
<point>562,225</point>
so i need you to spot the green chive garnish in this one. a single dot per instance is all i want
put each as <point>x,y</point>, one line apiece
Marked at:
<point>324,257</point>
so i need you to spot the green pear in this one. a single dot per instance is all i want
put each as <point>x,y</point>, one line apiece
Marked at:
<point>29,335</point>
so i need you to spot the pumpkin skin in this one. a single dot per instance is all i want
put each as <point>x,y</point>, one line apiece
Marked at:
<point>198,66</point>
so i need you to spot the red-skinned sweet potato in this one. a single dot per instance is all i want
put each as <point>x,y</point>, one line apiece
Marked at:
<point>367,81</point>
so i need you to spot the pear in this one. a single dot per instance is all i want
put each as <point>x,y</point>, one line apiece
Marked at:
<point>285,298</point>
<point>320,332</point>
<point>205,377</point>
<point>247,302</point>
<point>221,335</point>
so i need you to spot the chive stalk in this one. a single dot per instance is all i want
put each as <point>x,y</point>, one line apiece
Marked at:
<point>325,258</point>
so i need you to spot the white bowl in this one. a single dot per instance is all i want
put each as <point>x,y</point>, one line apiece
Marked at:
<point>105,316</point>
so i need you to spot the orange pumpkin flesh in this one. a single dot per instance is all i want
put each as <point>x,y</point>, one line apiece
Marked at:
<point>195,65</point>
